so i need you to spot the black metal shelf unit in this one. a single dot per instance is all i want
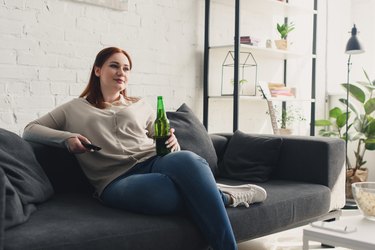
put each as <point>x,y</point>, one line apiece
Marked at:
<point>236,66</point>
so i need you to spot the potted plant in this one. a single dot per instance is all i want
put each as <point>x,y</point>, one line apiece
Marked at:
<point>283,29</point>
<point>240,85</point>
<point>361,127</point>
<point>286,117</point>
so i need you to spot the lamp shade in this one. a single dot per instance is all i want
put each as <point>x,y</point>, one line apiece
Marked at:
<point>354,46</point>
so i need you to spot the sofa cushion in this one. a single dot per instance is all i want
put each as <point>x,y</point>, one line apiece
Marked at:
<point>192,135</point>
<point>250,158</point>
<point>77,221</point>
<point>289,204</point>
<point>22,178</point>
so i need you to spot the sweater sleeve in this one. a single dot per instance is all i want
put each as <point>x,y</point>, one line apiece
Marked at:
<point>150,123</point>
<point>49,129</point>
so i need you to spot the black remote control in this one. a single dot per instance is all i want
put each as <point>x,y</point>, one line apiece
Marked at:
<point>91,146</point>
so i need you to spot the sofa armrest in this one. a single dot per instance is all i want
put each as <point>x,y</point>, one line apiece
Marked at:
<point>311,159</point>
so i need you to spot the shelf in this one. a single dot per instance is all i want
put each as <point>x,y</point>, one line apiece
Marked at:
<point>265,52</point>
<point>275,7</point>
<point>260,98</point>
<point>268,12</point>
<point>277,99</point>
<point>244,97</point>
<point>271,7</point>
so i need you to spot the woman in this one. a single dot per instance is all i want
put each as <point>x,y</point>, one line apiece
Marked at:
<point>126,173</point>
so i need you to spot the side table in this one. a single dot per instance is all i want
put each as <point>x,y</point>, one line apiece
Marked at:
<point>361,239</point>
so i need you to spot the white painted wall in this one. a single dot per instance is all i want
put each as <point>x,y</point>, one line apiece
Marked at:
<point>342,14</point>
<point>47,48</point>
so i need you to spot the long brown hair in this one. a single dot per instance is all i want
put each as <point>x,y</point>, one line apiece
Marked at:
<point>92,92</point>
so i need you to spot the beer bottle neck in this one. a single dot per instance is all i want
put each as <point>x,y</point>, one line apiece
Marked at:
<point>160,108</point>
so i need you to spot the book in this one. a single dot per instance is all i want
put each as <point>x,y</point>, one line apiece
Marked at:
<point>249,40</point>
<point>280,90</point>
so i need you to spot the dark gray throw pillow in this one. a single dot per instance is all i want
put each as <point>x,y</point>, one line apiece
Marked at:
<point>192,135</point>
<point>22,178</point>
<point>250,158</point>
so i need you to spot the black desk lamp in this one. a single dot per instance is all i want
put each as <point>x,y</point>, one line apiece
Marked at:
<point>352,47</point>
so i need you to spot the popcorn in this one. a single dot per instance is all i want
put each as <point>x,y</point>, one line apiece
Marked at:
<point>364,195</point>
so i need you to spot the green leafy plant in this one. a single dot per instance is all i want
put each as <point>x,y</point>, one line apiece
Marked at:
<point>287,116</point>
<point>242,81</point>
<point>284,29</point>
<point>361,122</point>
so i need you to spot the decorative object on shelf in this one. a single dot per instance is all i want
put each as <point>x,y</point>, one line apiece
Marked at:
<point>360,127</point>
<point>265,92</point>
<point>283,29</point>
<point>268,44</point>
<point>280,90</point>
<point>249,40</point>
<point>286,117</point>
<point>247,74</point>
<point>283,116</point>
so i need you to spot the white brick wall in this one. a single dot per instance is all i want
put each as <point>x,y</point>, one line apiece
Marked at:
<point>47,48</point>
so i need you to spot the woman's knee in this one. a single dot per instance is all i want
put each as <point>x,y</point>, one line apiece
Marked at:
<point>188,157</point>
<point>184,161</point>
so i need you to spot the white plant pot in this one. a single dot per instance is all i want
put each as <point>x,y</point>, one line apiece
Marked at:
<point>285,131</point>
<point>281,44</point>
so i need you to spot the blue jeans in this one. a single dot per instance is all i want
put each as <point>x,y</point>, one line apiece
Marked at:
<point>179,181</point>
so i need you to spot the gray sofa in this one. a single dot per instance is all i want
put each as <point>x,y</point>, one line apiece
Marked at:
<point>307,184</point>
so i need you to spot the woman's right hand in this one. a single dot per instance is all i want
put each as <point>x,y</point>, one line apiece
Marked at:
<point>75,146</point>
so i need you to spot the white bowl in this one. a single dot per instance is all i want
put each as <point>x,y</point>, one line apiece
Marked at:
<point>364,196</point>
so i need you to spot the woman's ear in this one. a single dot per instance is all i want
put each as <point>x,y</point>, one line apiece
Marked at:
<point>97,71</point>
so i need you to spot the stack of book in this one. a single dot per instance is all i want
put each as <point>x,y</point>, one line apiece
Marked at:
<point>280,90</point>
<point>249,40</point>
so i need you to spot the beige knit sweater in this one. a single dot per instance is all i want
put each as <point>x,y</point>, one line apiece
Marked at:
<point>124,132</point>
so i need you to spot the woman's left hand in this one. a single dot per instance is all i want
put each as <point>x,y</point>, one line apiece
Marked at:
<point>172,142</point>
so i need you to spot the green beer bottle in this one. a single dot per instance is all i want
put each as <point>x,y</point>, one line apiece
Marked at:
<point>161,129</point>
